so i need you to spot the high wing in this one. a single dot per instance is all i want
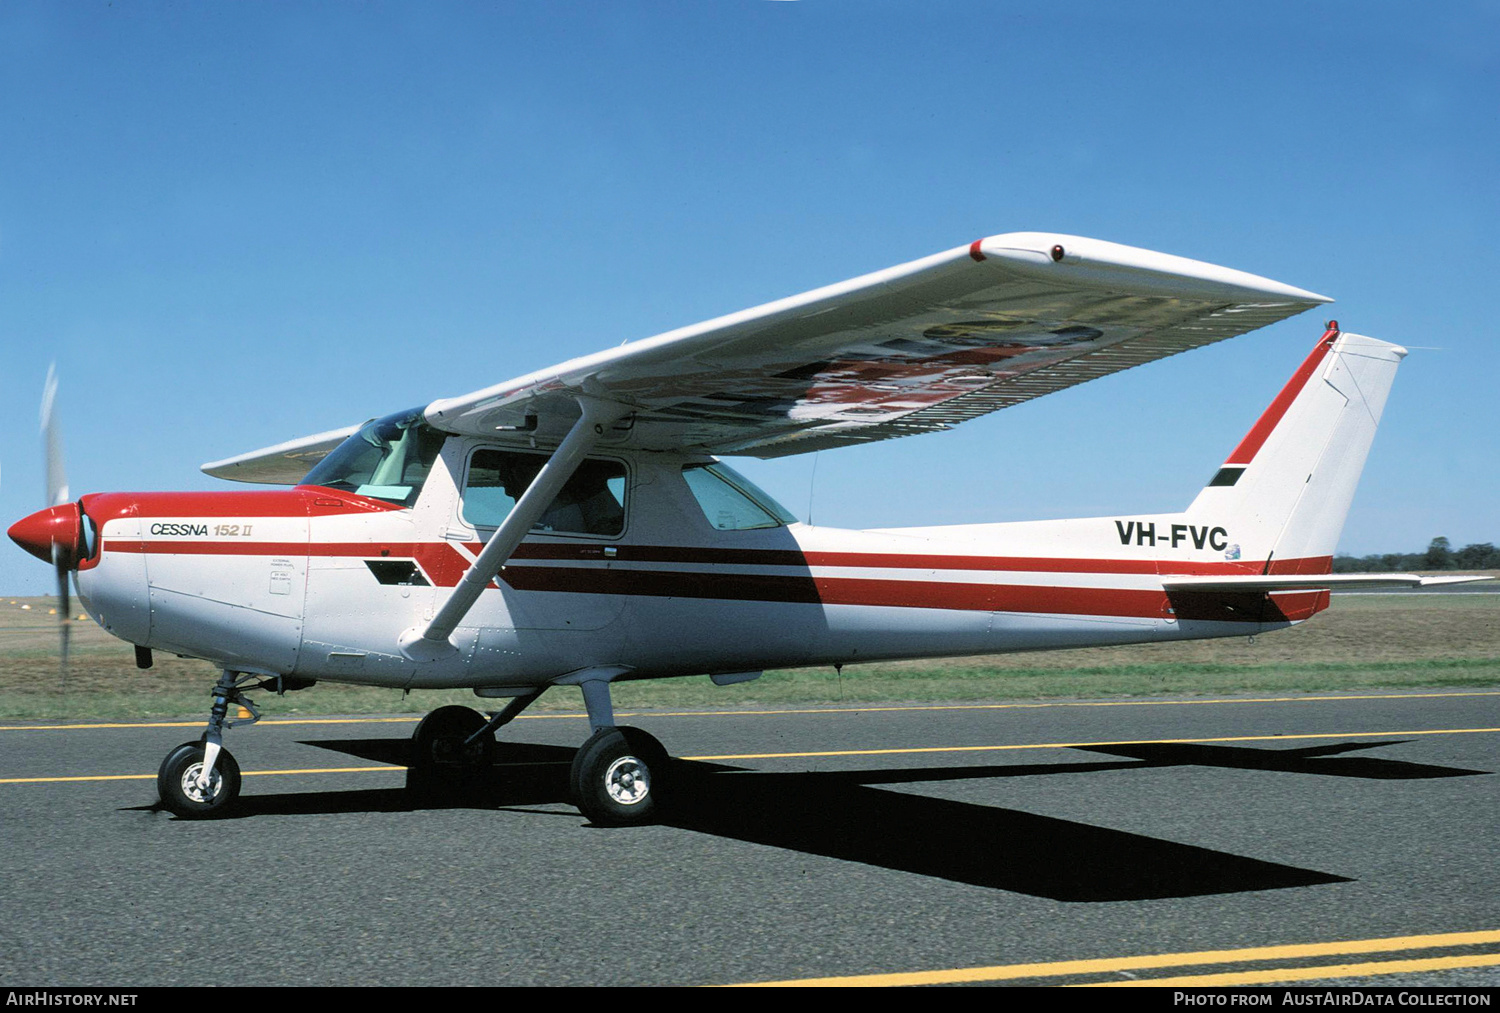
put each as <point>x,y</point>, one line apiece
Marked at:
<point>911,349</point>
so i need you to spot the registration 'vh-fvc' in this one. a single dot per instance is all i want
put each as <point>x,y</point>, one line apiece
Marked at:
<point>575,526</point>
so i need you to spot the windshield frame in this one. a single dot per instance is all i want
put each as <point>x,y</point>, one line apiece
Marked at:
<point>407,447</point>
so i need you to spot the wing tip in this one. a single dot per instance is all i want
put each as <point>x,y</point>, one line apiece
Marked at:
<point>1099,261</point>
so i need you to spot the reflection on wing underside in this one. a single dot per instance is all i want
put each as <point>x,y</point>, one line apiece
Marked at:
<point>882,384</point>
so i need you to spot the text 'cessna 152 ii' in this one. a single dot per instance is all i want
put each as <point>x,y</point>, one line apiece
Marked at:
<point>574,527</point>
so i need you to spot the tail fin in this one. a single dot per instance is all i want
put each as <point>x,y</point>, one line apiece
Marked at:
<point>1285,490</point>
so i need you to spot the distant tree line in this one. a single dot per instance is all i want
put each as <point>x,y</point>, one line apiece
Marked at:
<point>1440,555</point>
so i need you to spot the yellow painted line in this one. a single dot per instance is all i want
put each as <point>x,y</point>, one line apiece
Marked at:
<point>840,752</point>
<point>152,777</point>
<point>321,770</point>
<point>201,723</point>
<point>86,777</point>
<point>1080,745</point>
<point>732,713</point>
<point>1274,975</point>
<point>1027,705</point>
<point>1058,968</point>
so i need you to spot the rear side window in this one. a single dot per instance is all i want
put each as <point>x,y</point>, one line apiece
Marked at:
<point>730,501</point>
<point>592,503</point>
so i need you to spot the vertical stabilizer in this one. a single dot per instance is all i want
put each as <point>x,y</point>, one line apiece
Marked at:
<point>1286,488</point>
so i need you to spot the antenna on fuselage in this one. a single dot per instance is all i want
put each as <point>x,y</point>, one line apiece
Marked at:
<point>812,486</point>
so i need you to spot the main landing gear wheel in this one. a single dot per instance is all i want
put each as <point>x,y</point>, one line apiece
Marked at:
<point>177,782</point>
<point>442,759</point>
<point>618,775</point>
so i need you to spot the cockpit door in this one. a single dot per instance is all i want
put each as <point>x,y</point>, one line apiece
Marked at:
<point>559,577</point>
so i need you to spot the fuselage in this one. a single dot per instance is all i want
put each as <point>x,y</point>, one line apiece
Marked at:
<point>319,582</point>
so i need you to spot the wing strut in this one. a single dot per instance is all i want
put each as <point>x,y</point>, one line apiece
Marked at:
<point>432,643</point>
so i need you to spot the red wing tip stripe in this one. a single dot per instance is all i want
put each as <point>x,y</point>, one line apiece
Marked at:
<point>974,250</point>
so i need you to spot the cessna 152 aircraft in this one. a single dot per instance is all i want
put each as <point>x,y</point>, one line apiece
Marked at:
<point>574,527</point>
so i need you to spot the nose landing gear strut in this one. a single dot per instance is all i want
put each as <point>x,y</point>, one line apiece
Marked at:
<point>200,779</point>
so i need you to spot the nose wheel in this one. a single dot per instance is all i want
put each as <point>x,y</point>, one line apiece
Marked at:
<point>201,779</point>
<point>186,792</point>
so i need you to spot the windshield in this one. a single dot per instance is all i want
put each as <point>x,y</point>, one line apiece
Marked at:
<point>387,459</point>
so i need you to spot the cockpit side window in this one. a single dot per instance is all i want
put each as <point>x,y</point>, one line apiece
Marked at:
<point>730,501</point>
<point>591,503</point>
<point>389,458</point>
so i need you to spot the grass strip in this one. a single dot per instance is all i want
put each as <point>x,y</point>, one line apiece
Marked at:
<point>968,682</point>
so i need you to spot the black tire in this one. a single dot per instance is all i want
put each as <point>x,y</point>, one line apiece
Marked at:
<point>440,762</point>
<point>176,783</point>
<point>619,777</point>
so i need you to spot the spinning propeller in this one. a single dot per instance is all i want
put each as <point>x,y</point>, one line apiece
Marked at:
<point>57,533</point>
<point>57,494</point>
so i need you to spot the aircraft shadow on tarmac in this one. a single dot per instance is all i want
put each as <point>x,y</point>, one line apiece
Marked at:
<point>842,815</point>
<point>1307,760</point>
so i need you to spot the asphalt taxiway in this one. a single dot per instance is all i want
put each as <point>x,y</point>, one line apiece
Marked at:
<point>1312,837</point>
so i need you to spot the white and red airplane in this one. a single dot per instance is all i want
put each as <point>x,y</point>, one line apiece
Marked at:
<point>574,527</point>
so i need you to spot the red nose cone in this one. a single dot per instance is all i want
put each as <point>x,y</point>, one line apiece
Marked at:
<point>60,525</point>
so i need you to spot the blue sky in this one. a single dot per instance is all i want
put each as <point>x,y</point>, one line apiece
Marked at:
<point>232,224</point>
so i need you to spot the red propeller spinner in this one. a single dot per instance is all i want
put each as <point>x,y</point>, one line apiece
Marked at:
<point>60,526</point>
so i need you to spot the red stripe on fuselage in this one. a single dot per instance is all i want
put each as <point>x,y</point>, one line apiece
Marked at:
<point>795,557</point>
<point>741,557</point>
<point>913,561</point>
<point>442,562</point>
<point>1266,424</point>
<point>444,565</point>
<point>969,597</point>
<point>1138,603</point>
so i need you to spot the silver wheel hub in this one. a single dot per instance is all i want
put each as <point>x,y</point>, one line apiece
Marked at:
<point>627,781</point>
<point>193,790</point>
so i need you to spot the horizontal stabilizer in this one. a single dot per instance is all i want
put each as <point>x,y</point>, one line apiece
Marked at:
<point>1312,582</point>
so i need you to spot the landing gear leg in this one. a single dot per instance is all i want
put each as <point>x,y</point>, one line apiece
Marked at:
<point>619,775</point>
<point>453,748</point>
<point>201,779</point>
